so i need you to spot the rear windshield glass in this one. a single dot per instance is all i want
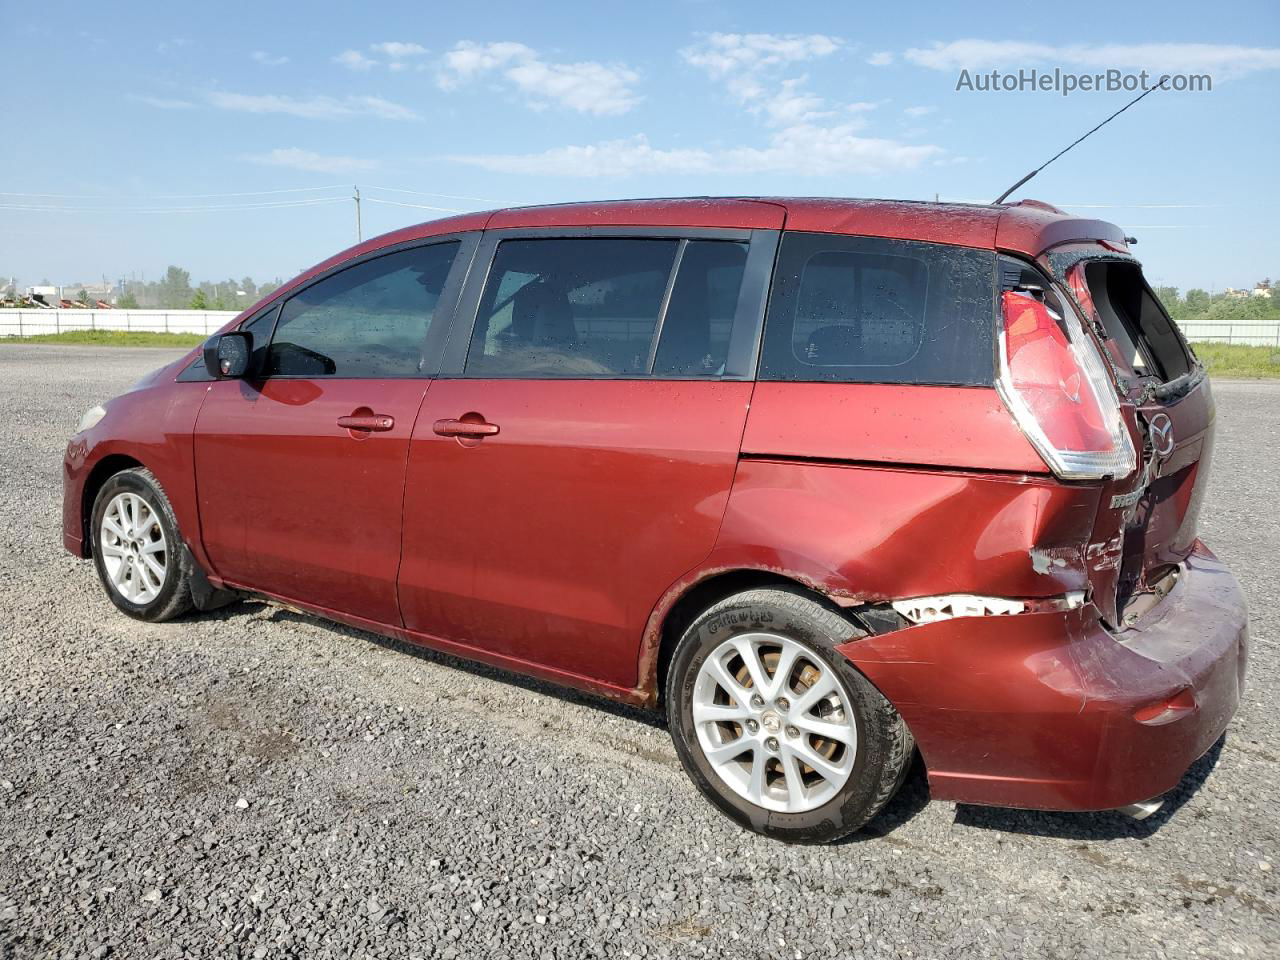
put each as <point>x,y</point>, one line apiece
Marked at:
<point>871,310</point>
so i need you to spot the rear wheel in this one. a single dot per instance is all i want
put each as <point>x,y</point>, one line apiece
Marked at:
<point>137,550</point>
<point>775,726</point>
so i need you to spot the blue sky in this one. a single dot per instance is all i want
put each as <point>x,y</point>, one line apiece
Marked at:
<point>142,138</point>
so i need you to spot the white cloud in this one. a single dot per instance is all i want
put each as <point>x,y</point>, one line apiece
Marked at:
<point>468,60</point>
<point>790,105</point>
<point>297,159</point>
<point>320,108</point>
<point>723,54</point>
<point>1221,59</point>
<point>162,103</point>
<point>919,111</point>
<point>396,55</point>
<point>355,60</point>
<point>587,87</point>
<point>748,64</point>
<point>266,59</point>
<point>802,149</point>
<point>881,58</point>
<point>809,136</point>
<point>397,50</point>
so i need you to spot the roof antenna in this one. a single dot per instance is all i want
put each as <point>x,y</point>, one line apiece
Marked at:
<point>1158,86</point>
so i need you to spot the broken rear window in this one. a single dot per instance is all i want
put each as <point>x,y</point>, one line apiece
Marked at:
<point>1141,333</point>
<point>872,310</point>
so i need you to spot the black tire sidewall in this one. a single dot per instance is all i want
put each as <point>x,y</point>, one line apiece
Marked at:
<point>861,796</point>
<point>131,481</point>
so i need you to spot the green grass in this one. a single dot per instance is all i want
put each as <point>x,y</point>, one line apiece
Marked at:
<point>112,338</point>
<point>1228,360</point>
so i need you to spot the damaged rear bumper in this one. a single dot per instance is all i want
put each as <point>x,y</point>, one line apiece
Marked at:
<point>1052,711</point>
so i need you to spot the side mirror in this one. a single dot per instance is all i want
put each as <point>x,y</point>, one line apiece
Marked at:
<point>227,356</point>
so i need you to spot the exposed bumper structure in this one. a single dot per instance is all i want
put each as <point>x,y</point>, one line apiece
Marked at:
<point>1051,711</point>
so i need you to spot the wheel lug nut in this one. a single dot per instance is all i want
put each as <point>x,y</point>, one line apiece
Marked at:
<point>757,700</point>
<point>793,731</point>
<point>783,703</point>
<point>753,726</point>
<point>772,743</point>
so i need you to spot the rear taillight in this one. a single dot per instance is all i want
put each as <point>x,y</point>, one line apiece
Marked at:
<point>1057,387</point>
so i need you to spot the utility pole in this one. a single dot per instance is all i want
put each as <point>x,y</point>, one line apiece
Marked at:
<point>356,198</point>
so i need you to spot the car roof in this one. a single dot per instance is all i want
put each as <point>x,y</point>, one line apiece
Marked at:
<point>1027,227</point>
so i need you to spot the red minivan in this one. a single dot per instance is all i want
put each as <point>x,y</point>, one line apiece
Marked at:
<point>828,480</point>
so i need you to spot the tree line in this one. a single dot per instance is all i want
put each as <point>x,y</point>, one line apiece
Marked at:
<point>174,291</point>
<point>1200,306</point>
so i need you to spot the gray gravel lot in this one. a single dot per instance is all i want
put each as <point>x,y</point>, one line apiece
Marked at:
<point>252,783</point>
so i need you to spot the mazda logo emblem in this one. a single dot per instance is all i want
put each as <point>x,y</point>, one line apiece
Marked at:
<point>1161,434</point>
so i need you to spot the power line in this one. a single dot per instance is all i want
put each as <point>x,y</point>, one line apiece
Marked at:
<point>443,196</point>
<point>54,208</point>
<point>1140,206</point>
<point>417,206</point>
<point>169,196</point>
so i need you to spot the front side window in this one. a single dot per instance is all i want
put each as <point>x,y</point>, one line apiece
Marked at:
<point>607,307</point>
<point>368,321</point>
<point>872,310</point>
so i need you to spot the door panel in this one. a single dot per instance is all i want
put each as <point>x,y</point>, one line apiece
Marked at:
<point>300,468</point>
<point>552,539</point>
<point>294,504</point>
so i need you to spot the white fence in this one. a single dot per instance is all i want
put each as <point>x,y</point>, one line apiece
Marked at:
<point>28,323</point>
<point>1252,334</point>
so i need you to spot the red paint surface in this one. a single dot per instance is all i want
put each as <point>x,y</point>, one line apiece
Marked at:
<point>557,546</point>
<point>292,503</point>
<point>552,540</point>
<point>966,427</point>
<point>150,424</point>
<point>1038,710</point>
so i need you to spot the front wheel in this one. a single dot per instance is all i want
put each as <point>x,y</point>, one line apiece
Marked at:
<point>137,550</point>
<point>775,726</point>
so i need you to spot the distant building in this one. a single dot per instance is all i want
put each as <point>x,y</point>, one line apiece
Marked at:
<point>1263,289</point>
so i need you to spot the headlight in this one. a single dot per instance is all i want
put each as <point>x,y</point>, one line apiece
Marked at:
<point>90,418</point>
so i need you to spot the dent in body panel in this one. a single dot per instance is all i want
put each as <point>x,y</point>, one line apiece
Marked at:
<point>882,534</point>
<point>861,535</point>
<point>1050,710</point>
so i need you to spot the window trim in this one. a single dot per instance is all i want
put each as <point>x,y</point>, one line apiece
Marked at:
<point>442,318</point>
<point>748,320</point>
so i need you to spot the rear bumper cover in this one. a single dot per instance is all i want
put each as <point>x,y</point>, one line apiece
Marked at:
<point>1051,711</point>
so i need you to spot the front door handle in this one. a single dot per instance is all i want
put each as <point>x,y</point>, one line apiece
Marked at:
<point>376,422</point>
<point>465,428</point>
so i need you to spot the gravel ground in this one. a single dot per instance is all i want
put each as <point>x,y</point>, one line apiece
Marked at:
<point>252,783</point>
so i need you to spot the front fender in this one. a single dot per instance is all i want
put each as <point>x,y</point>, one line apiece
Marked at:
<point>152,426</point>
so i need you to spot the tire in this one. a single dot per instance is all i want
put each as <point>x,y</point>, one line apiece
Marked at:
<point>137,590</point>
<point>868,744</point>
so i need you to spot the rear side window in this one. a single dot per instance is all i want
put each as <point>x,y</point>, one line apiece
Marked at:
<point>607,307</point>
<point>872,310</point>
<point>368,321</point>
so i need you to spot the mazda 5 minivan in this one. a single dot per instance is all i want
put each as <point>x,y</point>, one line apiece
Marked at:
<point>829,481</point>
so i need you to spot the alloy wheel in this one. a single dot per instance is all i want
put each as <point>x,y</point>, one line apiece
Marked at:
<point>134,552</point>
<point>774,722</point>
